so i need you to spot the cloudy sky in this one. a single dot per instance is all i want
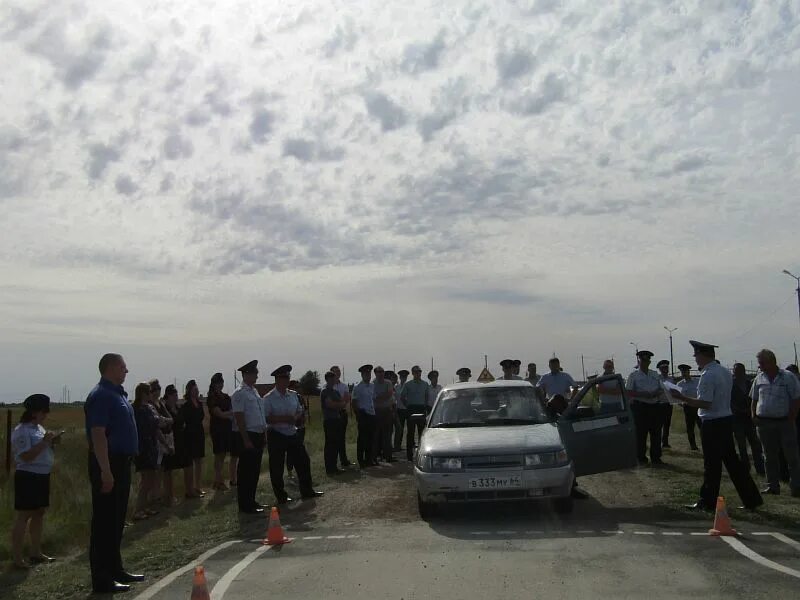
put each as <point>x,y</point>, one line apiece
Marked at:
<point>196,184</point>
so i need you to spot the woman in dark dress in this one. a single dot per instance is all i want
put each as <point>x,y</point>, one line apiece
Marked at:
<point>146,461</point>
<point>178,459</point>
<point>221,415</point>
<point>194,439</point>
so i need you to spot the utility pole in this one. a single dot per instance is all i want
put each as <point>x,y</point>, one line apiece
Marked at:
<point>795,353</point>
<point>485,361</point>
<point>797,279</point>
<point>583,368</point>
<point>635,349</point>
<point>671,356</point>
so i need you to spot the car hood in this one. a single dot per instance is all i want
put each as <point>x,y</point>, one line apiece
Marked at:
<point>505,439</point>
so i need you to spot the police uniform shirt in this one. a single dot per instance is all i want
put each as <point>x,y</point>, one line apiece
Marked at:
<point>24,437</point>
<point>666,378</point>
<point>639,381</point>
<point>433,391</point>
<point>556,383</point>
<point>364,397</point>
<point>534,381</point>
<point>282,405</point>
<point>688,387</point>
<point>415,393</point>
<point>715,386</point>
<point>774,398</point>
<point>247,401</point>
<point>379,388</point>
<point>398,396</point>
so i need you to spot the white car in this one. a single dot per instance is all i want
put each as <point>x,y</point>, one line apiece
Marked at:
<point>495,441</point>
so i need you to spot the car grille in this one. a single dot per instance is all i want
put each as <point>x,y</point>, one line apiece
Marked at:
<point>494,495</point>
<point>477,463</point>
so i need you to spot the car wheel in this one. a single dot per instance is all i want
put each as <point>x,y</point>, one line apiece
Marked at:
<point>564,505</point>
<point>427,510</point>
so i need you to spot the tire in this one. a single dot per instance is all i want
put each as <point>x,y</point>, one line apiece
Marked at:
<point>564,506</point>
<point>427,510</point>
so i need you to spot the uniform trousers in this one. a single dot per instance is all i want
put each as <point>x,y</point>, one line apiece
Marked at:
<point>248,469</point>
<point>744,432</point>
<point>692,420</point>
<point>649,421</point>
<point>667,408</point>
<point>301,435</point>
<point>280,446</point>
<point>414,428</point>
<point>108,519</point>
<point>401,415</point>
<point>365,444</point>
<point>343,440</point>
<point>334,434</point>
<point>384,419</point>
<point>718,449</point>
<point>780,435</point>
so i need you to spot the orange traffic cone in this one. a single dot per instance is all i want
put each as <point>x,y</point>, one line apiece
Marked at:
<point>275,535</point>
<point>199,586</point>
<point>722,523</point>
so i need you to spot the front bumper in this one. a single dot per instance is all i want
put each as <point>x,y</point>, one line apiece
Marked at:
<point>555,482</point>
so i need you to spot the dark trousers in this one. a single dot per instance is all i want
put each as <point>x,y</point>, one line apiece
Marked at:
<point>744,432</point>
<point>365,445</point>
<point>384,421</point>
<point>717,436</point>
<point>692,421</point>
<point>280,446</point>
<point>248,469</point>
<point>108,519</point>
<point>649,421</point>
<point>667,408</point>
<point>414,427</point>
<point>343,440</point>
<point>399,426</point>
<point>334,434</point>
<point>301,435</point>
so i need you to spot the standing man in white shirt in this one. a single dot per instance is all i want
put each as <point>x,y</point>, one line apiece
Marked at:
<point>282,410</point>
<point>713,402</point>
<point>644,387</point>
<point>401,411</point>
<point>688,387</point>
<point>776,401</point>
<point>344,392</point>
<point>248,428</point>
<point>433,389</point>
<point>507,365</point>
<point>364,405</point>
<point>663,372</point>
<point>533,377</point>
<point>383,392</point>
<point>556,382</point>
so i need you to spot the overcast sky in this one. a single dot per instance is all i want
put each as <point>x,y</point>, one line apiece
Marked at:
<point>196,184</point>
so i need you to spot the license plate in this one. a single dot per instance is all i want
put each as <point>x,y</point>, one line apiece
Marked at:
<point>493,483</point>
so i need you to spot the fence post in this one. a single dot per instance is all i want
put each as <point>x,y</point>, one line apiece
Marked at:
<point>8,442</point>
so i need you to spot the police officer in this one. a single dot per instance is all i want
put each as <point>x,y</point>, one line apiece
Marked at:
<point>113,442</point>
<point>383,392</point>
<point>249,427</point>
<point>463,375</point>
<point>517,366</point>
<point>282,410</point>
<point>556,382</point>
<point>716,432</point>
<point>415,397</point>
<point>644,387</point>
<point>344,392</point>
<point>533,377</point>
<point>663,372</point>
<point>433,389</point>
<point>507,365</point>
<point>364,405</point>
<point>401,412</point>
<point>688,387</point>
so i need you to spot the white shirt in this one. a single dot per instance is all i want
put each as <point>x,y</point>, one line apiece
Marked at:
<point>715,386</point>
<point>688,387</point>
<point>247,401</point>
<point>433,391</point>
<point>638,381</point>
<point>364,397</point>
<point>282,405</point>
<point>556,383</point>
<point>774,398</point>
<point>24,437</point>
<point>398,396</point>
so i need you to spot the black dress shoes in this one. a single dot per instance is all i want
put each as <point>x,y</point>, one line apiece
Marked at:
<point>256,510</point>
<point>772,491</point>
<point>125,577</point>
<point>285,500</point>
<point>111,588</point>
<point>312,494</point>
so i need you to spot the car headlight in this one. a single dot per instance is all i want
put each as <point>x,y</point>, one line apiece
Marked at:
<point>546,459</point>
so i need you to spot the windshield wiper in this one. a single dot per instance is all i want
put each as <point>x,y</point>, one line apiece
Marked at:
<point>453,425</point>
<point>516,421</point>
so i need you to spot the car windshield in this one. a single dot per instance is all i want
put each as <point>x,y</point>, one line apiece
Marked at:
<point>476,407</point>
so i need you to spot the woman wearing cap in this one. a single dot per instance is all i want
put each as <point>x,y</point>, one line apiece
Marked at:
<point>177,459</point>
<point>33,454</point>
<point>219,409</point>
<point>146,461</point>
<point>194,438</point>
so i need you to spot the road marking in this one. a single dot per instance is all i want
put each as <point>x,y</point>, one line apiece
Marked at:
<point>166,580</point>
<point>353,537</point>
<point>644,533</point>
<point>225,581</point>
<point>786,540</point>
<point>757,558</point>
<point>534,532</point>
<point>699,533</point>
<point>479,533</point>
<point>585,531</point>
<point>313,537</point>
<point>506,533</point>
<point>671,533</point>
<point>337,537</point>
<point>614,531</point>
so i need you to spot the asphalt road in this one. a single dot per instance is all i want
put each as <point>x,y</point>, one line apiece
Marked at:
<point>495,552</point>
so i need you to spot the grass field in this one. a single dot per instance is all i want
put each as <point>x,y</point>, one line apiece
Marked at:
<point>174,537</point>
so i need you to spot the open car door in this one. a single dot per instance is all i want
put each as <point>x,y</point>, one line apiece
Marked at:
<point>597,428</point>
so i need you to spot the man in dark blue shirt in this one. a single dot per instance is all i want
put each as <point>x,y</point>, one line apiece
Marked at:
<point>113,442</point>
<point>332,406</point>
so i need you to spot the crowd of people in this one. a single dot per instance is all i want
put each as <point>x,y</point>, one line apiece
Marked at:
<point>159,434</point>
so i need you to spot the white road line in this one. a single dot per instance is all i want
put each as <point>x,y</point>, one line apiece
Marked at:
<point>786,540</point>
<point>757,558</point>
<point>506,533</point>
<point>671,533</point>
<point>534,532</point>
<point>225,581</point>
<point>613,531</point>
<point>353,537</point>
<point>165,581</point>
<point>337,537</point>
<point>479,533</point>
<point>584,531</point>
<point>313,537</point>
<point>644,533</point>
<point>699,533</point>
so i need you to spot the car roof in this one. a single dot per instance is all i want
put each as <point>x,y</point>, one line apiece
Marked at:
<point>497,383</point>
